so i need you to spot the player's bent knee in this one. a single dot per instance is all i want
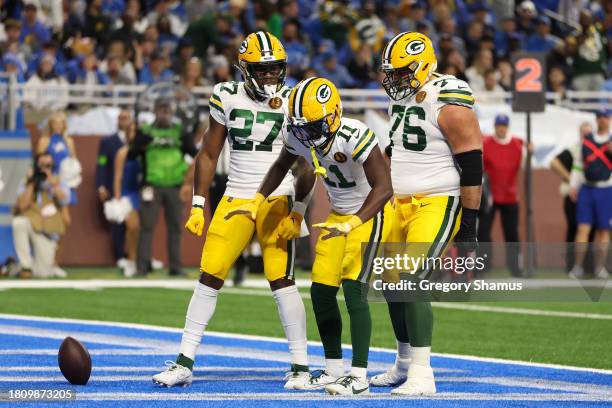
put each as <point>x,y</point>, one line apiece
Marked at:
<point>211,280</point>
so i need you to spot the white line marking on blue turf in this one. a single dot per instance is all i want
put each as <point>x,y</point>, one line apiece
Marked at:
<point>149,368</point>
<point>152,396</point>
<point>265,338</point>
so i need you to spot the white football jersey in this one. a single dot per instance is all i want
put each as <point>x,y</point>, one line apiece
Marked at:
<point>346,182</point>
<point>422,162</point>
<point>253,133</point>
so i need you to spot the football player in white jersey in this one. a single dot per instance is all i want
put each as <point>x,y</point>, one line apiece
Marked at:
<point>436,169</point>
<point>251,114</point>
<point>346,154</point>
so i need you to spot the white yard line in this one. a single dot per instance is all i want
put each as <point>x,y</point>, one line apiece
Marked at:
<point>253,337</point>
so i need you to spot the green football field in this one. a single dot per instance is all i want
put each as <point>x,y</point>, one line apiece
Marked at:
<point>575,334</point>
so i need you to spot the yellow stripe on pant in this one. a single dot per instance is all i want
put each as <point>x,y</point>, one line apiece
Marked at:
<point>341,258</point>
<point>226,239</point>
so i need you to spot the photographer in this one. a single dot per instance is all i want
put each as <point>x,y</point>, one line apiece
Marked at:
<point>38,219</point>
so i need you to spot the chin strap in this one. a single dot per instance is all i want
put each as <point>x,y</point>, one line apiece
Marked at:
<point>319,170</point>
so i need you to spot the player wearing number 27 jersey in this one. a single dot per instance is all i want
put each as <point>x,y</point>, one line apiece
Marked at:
<point>251,115</point>
<point>436,169</point>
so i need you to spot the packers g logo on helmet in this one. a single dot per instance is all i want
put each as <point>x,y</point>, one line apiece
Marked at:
<point>407,61</point>
<point>315,111</point>
<point>323,93</point>
<point>263,63</point>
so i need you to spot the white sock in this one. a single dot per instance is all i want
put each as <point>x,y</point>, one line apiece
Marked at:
<point>201,309</point>
<point>293,318</point>
<point>334,367</point>
<point>420,356</point>
<point>402,359</point>
<point>359,372</point>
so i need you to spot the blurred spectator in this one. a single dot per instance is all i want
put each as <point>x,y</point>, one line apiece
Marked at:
<point>490,82</point>
<point>156,70</point>
<point>505,74</point>
<point>570,10</point>
<point>220,69</point>
<point>557,81</point>
<point>592,175</point>
<point>118,49</point>
<point>115,71</point>
<point>296,46</point>
<point>185,52</point>
<point>45,90</point>
<point>369,29</point>
<point>52,49</point>
<point>38,221</point>
<point>161,147</point>
<point>475,73</point>
<point>12,44</point>
<point>335,72</point>
<point>504,37</point>
<point>361,67</point>
<point>502,156</point>
<point>473,36</point>
<point>162,9</point>
<point>588,48</point>
<point>127,33</point>
<point>105,175</point>
<point>541,40</point>
<point>562,165</point>
<point>337,17</point>
<point>33,32</point>
<point>97,24</point>
<point>448,32</point>
<point>191,76</point>
<point>167,40</point>
<point>526,14</point>
<point>85,71</point>
<point>265,11</point>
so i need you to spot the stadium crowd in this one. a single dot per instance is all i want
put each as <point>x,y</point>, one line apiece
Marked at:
<point>194,41</point>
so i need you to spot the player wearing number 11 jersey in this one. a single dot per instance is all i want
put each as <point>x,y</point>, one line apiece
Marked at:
<point>251,114</point>
<point>436,168</point>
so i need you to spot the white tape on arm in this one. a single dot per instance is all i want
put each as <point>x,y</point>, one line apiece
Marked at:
<point>198,201</point>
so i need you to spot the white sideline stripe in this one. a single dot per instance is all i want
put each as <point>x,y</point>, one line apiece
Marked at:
<point>147,378</point>
<point>280,340</point>
<point>251,288</point>
<point>156,396</point>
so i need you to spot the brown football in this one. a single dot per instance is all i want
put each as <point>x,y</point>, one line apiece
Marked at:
<point>74,361</point>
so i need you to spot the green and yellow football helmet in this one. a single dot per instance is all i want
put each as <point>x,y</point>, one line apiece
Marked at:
<point>407,61</point>
<point>315,110</point>
<point>263,63</point>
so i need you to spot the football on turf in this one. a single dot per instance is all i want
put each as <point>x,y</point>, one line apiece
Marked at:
<point>74,361</point>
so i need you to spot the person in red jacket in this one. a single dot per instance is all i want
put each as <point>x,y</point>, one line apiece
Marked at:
<point>502,155</point>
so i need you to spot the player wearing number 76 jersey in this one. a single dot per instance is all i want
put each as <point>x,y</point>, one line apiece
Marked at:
<point>251,115</point>
<point>436,168</point>
<point>346,155</point>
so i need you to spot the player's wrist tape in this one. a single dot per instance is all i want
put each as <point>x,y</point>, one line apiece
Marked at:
<point>354,222</point>
<point>198,201</point>
<point>470,164</point>
<point>300,208</point>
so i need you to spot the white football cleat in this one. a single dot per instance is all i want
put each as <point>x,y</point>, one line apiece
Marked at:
<point>174,375</point>
<point>602,273</point>
<point>296,380</point>
<point>577,272</point>
<point>420,382</point>
<point>319,379</point>
<point>130,269</point>
<point>389,378</point>
<point>348,385</point>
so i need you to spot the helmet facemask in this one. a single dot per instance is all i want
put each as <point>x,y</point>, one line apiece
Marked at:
<point>316,134</point>
<point>401,82</point>
<point>264,79</point>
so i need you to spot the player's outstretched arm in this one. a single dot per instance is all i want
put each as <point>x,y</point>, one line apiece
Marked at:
<point>460,126</point>
<point>205,164</point>
<point>379,179</point>
<point>271,181</point>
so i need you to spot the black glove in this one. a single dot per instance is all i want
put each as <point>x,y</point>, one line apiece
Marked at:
<point>467,236</point>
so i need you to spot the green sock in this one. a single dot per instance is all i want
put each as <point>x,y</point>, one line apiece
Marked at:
<point>185,361</point>
<point>361,322</point>
<point>328,318</point>
<point>397,313</point>
<point>419,321</point>
<point>299,368</point>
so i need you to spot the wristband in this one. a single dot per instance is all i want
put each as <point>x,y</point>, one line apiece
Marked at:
<point>470,165</point>
<point>198,201</point>
<point>354,222</point>
<point>469,216</point>
<point>300,208</point>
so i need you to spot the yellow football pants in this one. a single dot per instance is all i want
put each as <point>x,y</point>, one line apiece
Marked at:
<point>428,224</point>
<point>226,239</point>
<point>341,258</point>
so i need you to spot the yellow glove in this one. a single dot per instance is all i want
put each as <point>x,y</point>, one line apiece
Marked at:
<point>249,209</point>
<point>336,229</point>
<point>290,226</point>
<point>195,223</point>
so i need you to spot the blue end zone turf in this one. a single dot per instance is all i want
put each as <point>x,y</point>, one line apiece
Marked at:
<point>248,371</point>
